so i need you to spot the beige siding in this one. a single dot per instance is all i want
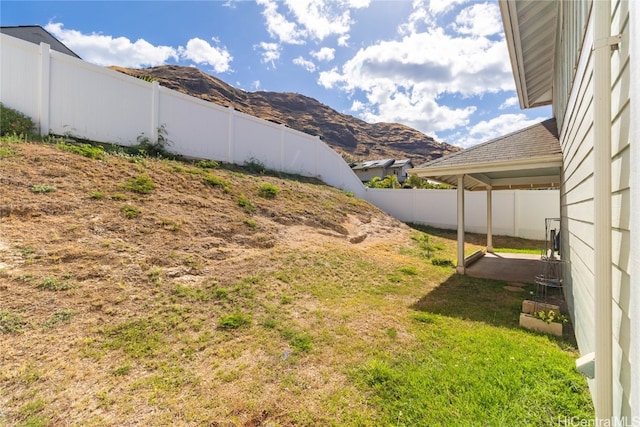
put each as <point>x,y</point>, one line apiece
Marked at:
<point>578,191</point>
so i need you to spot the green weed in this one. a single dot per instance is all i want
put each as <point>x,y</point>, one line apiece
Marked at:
<point>11,323</point>
<point>64,316</point>
<point>216,181</point>
<point>130,212</point>
<point>53,284</point>
<point>234,321</point>
<point>137,338</point>
<point>42,188</point>
<point>141,184</point>
<point>268,190</point>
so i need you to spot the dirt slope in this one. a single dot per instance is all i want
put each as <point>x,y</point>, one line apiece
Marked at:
<point>111,320</point>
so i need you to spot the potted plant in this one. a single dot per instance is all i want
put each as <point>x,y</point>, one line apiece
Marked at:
<point>545,321</point>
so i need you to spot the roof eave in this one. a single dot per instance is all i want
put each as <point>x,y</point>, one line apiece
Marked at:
<point>551,160</point>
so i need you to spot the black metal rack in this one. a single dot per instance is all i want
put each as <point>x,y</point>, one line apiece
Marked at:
<point>551,274</point>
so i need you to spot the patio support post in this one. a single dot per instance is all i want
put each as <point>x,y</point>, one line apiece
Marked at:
<point>460,267</point>
<point>489,221</point>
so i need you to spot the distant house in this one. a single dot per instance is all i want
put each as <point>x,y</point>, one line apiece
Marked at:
<point>370,169</point>
<point>36,34</point>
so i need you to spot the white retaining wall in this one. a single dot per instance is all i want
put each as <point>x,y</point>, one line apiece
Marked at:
<point>65,95</point>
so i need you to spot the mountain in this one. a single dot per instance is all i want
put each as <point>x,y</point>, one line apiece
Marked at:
<point>355,139</point>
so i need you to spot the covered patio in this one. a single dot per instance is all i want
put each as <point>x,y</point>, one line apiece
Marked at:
<point>530,158</point>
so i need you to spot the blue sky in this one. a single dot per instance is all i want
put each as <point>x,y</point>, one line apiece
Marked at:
<point>439,66</point>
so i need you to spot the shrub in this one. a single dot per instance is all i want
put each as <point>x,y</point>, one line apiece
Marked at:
<point>13,122</point>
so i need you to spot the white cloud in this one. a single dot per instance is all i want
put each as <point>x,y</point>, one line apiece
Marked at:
<point>271,52</point>
<point>404,79</point>
<point>106,50</point>
<point>304,20</point>
<point>278,26</point>
<point>324,54</point>
<point>256,85</point>
<point>481,19</point>
<point>510,102</point>
<point>498,126</point>
<point>201,52</point>
<point>305,63</point>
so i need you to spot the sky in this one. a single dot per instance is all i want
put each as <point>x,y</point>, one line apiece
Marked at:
<point>439,66</point>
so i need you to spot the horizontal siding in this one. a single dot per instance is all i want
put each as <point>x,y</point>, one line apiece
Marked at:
<point>577,192</point>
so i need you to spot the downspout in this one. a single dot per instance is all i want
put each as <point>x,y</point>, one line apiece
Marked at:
<point>634,255</point>
<point>634,138</point>
<point>603,399</point>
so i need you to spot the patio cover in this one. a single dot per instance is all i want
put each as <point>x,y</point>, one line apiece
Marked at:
<point>526,159</point>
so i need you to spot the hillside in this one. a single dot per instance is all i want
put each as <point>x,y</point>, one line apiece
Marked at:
<point>154,292</point>
<point>348,135</point>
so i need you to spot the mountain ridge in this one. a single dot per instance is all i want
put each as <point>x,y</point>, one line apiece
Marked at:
<point>353,138</point>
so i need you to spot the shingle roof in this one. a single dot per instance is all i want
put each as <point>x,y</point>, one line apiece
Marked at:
<point>538,140</point>
<point>528,158</point>
<point>36,34</point>
<point>384,163</point>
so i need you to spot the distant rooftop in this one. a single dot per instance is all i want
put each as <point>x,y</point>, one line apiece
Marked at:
<point>36,34</point>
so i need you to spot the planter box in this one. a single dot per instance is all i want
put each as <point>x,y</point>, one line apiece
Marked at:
<point>531,307</point>
<point>527,321</point>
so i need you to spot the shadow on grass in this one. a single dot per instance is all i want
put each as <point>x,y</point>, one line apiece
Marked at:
<point>480,300</point>
<point>481,239</point>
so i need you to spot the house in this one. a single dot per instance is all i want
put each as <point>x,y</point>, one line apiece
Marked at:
<point>370,169</point>
<point>36,34</point>
<point>583,59</point>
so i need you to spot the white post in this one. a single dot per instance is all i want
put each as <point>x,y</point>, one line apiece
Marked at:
<point>155,111</point>
<point>230,141</point>
<point>603,401</point>
<point>283,129</point>
<point>460,267</point>
<point>45,89</point>
<point>489,221</point>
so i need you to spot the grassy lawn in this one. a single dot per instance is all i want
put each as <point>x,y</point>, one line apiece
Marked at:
<point>222,303</point>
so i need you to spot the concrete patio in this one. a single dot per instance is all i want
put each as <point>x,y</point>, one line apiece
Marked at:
<point>520,268</point>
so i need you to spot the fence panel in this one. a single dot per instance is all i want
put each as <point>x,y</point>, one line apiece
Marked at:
<point>20,76</point>
<point>256,139</point>
<point>99,104</point>
<point>298,153</point>
<point>196,128</point>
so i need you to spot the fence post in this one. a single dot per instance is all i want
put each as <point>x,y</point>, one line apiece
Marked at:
<point>516,214</point>
<point>155,110</point>
<point>282,130</point>
<point>44,92</point>
<point>231,135</point>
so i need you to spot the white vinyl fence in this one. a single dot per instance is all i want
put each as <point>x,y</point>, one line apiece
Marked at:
<point>65,95</point>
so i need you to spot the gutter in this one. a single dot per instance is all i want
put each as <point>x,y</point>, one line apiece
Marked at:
<point>603,399</point>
